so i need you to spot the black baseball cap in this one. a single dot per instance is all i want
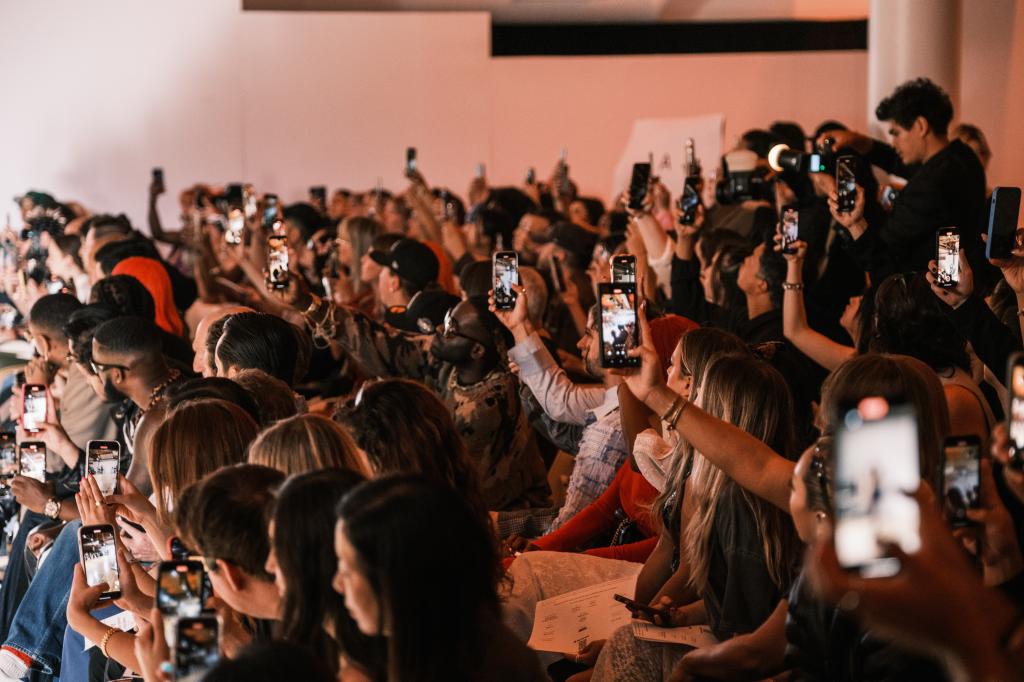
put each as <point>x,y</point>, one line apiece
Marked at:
<point>411,260</point>
<point>425,311</point>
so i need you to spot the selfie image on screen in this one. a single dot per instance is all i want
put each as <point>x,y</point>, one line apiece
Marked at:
<point>33,461</point>
<point>876,465</point>
<point>103,466</point>
<point>790,227</point>
<point>100,559</point>
<point>949,259</point>
<point>961,482</point>
<point>1017,406</point>
<point>505,275</point>
<point>196,651</point>
<point>277,262</point>
<point>618,325</point>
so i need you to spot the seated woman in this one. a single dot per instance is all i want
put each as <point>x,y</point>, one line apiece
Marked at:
<point>306,442</point>
<point>313,614</point>
<point>441,619</point>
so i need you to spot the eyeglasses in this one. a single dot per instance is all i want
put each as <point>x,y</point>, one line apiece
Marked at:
<point>450,328</point>
<point>98,367</point>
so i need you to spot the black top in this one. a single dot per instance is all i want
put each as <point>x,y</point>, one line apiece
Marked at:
<point>946,191</point>
<point>740,594</point>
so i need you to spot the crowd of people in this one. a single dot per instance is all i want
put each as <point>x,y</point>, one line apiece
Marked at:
<point>339,457</point>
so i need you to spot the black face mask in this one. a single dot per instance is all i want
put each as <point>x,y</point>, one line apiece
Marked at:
<point>110,393</point>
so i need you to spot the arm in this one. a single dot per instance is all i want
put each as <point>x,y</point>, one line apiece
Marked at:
<point>156,228</point>
<point>814,345</point>
<point>756,655</point>
<point>635,417</point>
<point>594,519</point>
<point>654,238</point>
<point>562,435</point>
<point>637,552</point>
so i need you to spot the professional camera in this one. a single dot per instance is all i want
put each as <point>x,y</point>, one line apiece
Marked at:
<point>742,179</point>
<point>822,160</point>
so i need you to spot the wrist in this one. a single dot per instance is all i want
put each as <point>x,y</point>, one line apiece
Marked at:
<point>660,399</point>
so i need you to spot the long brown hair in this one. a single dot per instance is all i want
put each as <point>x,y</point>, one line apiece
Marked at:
<point>198,437</point>
<point>753,396</point>
<point>306,442</point>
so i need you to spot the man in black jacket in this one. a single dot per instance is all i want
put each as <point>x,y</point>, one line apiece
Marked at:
<point>945,188</point>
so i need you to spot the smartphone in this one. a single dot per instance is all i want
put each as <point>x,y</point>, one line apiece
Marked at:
<point>249,201</point>
<point>98,553</point>
<point>410,161</point>
<point>1015,384</point>
<point>269,211</point>
<point>236,226</point>
<point>638,183</point>
<point>8,461</point>
<point>947,257</point>
<point>33,406</point>
<point>481,170</point>
<point>642,608</point>
<point>158,176</point>
<point>846,183</point>
<point>318,196</point>
<point>689,200</point>
<point>32,460</point>
<point>196,648</point>
<point>102,462</point>
<point>200,199</point>
<point>234,195</point>
<point>790,228</point>
<point>179,593</point>
<point>961,477</point>
<point>504,273</point>
<point>876,466</point>
<point>618,328</point>
<point>624,269</point>
<point>531,176</point>
<point>1002,222</point>
<point>557,278</point>
<point>277,261</point>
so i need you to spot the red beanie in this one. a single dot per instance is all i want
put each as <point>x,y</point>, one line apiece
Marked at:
<point>665,334</point>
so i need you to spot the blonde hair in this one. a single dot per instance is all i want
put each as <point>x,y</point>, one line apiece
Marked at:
<point>306,442</point>
<point>751,395</point>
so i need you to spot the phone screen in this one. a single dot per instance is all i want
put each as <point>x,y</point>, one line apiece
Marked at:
<point>33,406</point>
<point>269,211</point>
<point>196,648</point>
<point>103,458</point>
<point>236,226</point>
<point>790,229</point>
<point>638,185</point>
<point>619,332</point>
<point>277,261</point>
<point>961,477</point>
<point>233,195</point>
<point>249,203</point>
<point>410,160</point>
<point>688,202</point>
<point>99,557</point>
<point>876,465</point>
<point>531,176</point>
<point>947,257</point>
<point>158,176</point>
<point>32,460</point>
<point>624,269</point>
<point>846,183</point>
<point>505,273</point>
<point>8,460</point>
<point>1016,417</point>
<point>1002,222</point>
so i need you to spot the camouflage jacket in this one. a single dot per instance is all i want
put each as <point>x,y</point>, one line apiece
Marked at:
<point>488,413</point>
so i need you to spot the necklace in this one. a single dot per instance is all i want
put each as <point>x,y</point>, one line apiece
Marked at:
<point>157,394</point>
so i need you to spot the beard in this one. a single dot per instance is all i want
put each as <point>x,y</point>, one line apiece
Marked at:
<point>455,353</point>
<point>110,393</point>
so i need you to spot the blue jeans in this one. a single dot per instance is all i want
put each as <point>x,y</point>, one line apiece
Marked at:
<point>38,627</point>
<point>16,579</point>
<point>76,664</point>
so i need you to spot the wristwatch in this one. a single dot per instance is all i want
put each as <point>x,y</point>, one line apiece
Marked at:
<point>52,508</point>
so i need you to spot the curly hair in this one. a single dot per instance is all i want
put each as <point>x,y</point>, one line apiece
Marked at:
<point>919,97</point>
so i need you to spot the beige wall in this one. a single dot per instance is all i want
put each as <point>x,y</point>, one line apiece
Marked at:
<point>110,88</point>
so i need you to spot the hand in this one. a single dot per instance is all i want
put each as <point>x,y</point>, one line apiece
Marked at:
<point>994,533</point>
<point>588,655</point>
<point>571,292</point>
<point>846,138</point>
<point>83,599</point>
<point>296,294</point>
<point>953,296</point>
<point>854,220</point>
<point>1013,269</point>
<point>39,371</point>
<point>797,256</point>
<point>92,507</point>
<point>649,376</point>
<point>477,191</point>
<point>516,318</point>
<point>130,503</point>
<point>661,199</point>
<point>132,598</point>
<point>55,437</point>
<point>31,493</point>
<point>233,633</point>
<point>688,231</point>
<point>151,650</point>
<point>156,188</point>
<point>1001,453</point>
<point>516,543</point>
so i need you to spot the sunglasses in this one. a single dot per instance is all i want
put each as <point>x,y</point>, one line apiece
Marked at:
<point>450,328</point>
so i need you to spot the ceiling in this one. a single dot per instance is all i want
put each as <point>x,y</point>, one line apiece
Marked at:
<point>594,11</point>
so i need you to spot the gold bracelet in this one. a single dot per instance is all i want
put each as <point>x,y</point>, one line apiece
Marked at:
<point>106,640</point>
<point>793,286</point>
